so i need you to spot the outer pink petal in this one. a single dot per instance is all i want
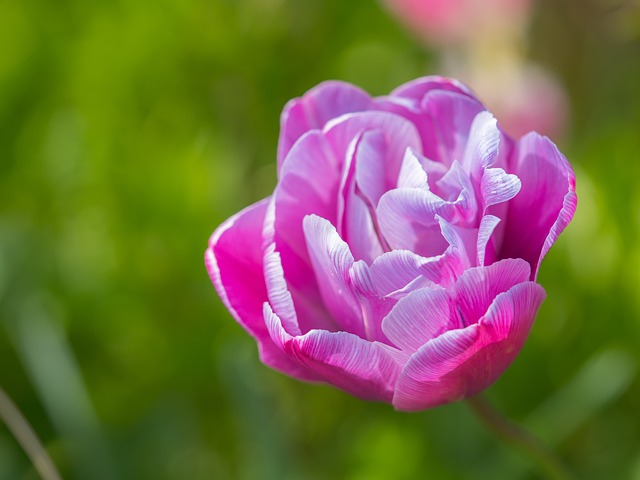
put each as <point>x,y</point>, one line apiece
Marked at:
<point>462,363</point>
<point>365,369</point>
<point>546,202</point>
<point>234,263</point>
<point>476,288</point>
<point>358,366</point>
<point>316,107</point>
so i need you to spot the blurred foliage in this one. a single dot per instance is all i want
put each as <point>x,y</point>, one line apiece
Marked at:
<point>130,129</point>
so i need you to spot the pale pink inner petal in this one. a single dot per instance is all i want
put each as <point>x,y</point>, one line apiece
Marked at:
<point>299,193</point>
<point>417,318</point>
<point>398,134</point>
<point>332,262</point>
<point>412,173</point>
<point>447,119</point>
<point>407,219</point>
<point>486,249</point>
<point>319,105</point>
<point>395,270</point>
<point>356,225</point>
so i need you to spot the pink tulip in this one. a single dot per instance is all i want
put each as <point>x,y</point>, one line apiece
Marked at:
<point>450,21</point>
<point>396,258</point>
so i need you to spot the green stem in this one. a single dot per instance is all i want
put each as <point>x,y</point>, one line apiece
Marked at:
<point>515,435</point>
<point>27,438</point>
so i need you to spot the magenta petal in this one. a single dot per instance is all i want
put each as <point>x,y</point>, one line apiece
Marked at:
<point>365,369</point>
<point>301,191</point>
<point>476,288</point>
<point>316,107</point>
<point>417,318</point>
<point>234,262</point>
<point>463,241</point>
<point>546,202</point>
<point>462,363</point>
<point>282,339</point>
<point>360,367</point>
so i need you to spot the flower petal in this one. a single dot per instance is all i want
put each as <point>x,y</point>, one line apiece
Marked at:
<point>451,116</point>
<point>355,223</point>
<point>332,262</point>
<point>546,202</point>
<point>398,135</point>
<point>282,340</point>
<point>412,174</point>
<point>416,89</point>
<point>417,318</point>
<point>488,225</point>
<point>395,270</point>
<point>407,220</point>
<point>482,144</point>
<point>234,263</point>
<point>476,288</point>
<point>497,186</point>
<point>316,107</point>
<point>299,193</point>
<point>360,367</point>
<point>462,363</point>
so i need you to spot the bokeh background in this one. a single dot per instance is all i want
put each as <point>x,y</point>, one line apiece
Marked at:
<point>129,129</point>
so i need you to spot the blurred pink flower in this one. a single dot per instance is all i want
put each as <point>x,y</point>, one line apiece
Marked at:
<point>525,98</point>
<point>396,258</point>
<point>450,21</point>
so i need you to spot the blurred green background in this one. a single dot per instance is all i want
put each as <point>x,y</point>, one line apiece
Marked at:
<point>129,129</point>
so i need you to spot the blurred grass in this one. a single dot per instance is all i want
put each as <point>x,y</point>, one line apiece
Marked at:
<point>130,129</point>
